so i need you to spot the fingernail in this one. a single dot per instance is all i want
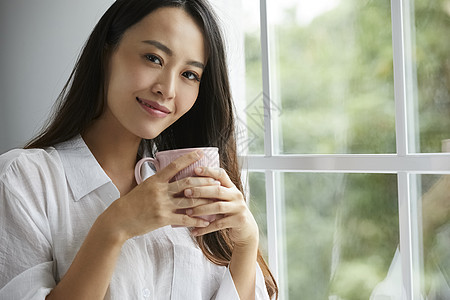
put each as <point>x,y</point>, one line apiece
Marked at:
<point>199,170</point>
<point>216,182</point>
<point>189,212</point>
<point>188,192</point>
<point>205,224</point>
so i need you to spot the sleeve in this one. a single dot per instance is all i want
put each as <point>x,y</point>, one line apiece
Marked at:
<point>391,288</point>
<point>227,290</point>
<point>261,289</point>
<point>25,249</point>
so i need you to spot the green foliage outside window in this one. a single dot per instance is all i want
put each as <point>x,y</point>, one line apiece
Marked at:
<point>336,90</point>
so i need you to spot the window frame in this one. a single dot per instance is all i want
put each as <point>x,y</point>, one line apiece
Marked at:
<point>405,163</point>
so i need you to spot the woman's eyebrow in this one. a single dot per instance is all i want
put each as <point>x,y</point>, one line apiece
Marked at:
<point>169,52</point>
<point>196,64</point>
<point>160,46</point>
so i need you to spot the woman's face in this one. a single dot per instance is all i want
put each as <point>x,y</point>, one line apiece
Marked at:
<point>154,73</point>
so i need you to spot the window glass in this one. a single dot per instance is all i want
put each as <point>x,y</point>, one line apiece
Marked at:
<point>341,233</point>
<point>257,203</point>
<point>435,200</point>
<point>432,59</point>
<point>333,91</point>
<point>252,127</point>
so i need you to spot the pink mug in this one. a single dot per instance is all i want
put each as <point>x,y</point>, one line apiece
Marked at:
<point>210,158</point>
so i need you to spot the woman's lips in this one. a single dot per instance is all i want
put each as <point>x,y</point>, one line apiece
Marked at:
<point>153,108</point>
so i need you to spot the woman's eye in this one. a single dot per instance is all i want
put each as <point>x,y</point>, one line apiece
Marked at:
<point>191,76</point>
<point>153,58</point>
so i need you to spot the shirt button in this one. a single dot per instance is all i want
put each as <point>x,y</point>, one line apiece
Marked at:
<point>146,293</point>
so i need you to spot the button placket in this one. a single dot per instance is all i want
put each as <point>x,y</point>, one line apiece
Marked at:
<point>146,293</point>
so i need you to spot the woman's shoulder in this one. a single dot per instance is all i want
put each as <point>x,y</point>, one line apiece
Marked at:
<point>18,162</point>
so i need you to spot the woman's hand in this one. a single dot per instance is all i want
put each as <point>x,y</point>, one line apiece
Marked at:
<point>229,202</point>
<point>154,202</point>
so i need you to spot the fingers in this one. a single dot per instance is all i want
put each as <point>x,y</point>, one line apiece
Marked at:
<point>190,182</point>
<point>216,173</point>
<point>190,202</point>
<point>214,192</point>
<point>223,223</point>
<point>187,221</point>
<point>216,207</point>
<point>178,164</point>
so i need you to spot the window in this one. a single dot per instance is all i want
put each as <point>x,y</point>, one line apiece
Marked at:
<point>345,118</point>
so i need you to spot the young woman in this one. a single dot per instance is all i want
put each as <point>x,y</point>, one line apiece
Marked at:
<point>73,222</point>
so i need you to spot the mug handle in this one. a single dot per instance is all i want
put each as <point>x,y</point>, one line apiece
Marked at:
<point>137,169</point>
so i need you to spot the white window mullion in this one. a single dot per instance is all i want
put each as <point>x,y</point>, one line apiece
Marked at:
<point>353,163</point>
<point>274,196</point>
<point>272,241</point>
<point>408,208</point>
<point>276,232</point>
<point>409,243</point>
<point>272,231</point>
<point>412,139</point>
<point>266,80</point>
<point>398,48</point>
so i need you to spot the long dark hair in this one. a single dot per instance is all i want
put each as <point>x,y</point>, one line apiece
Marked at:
<point>210,122</point>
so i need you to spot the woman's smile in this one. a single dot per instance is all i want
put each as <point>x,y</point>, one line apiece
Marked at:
<point>153,108</point>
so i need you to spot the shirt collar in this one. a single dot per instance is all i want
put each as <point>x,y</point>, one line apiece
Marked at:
<point>84,174</point>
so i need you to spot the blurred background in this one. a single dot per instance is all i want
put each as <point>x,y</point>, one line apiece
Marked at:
<point>333,81</point>
<point>40,44</point>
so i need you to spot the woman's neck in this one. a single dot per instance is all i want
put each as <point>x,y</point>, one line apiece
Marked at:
<point>115,149</point>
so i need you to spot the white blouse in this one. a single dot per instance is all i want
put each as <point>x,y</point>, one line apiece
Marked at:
<point>49,200</point>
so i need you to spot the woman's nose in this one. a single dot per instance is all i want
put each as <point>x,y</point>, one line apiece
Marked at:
<point>165,85</point>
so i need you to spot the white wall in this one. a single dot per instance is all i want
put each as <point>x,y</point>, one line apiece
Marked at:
<point>40,41</point>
